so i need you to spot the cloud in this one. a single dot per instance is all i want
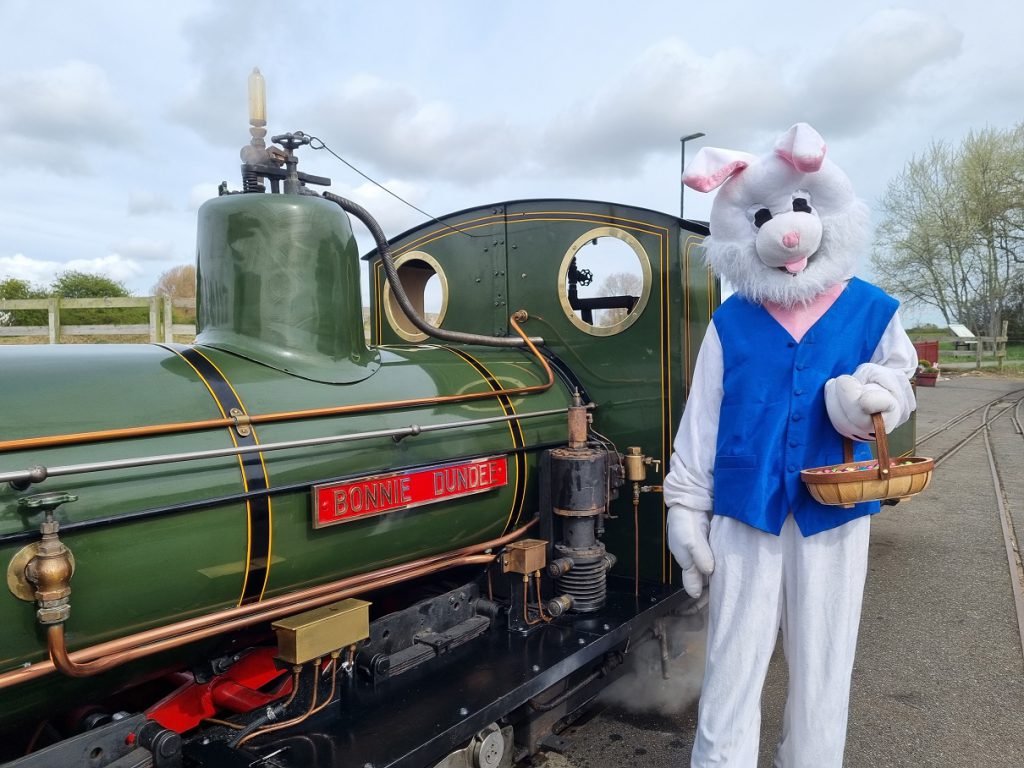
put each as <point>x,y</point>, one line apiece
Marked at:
<point>738,95</point>
<point>668,91</point>
<point>200,193</point>
<point>403,135</point>
<point>143,249</point>
<point>42,272</point>
<point>143,203</point>
<point>55,117</point>
<point>393,216</point>
<point>869,76</point>
<point>214,106</point>
<point>215,103</point>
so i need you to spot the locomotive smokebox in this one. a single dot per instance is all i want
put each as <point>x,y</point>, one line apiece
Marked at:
<point>278,283</point>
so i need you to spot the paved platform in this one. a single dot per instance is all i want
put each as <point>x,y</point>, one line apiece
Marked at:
<point>939,675</point>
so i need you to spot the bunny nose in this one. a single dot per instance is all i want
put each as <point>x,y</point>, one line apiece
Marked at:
<point>791,239</point>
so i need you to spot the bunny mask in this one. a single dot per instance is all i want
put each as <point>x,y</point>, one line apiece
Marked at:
<point>785,227</point>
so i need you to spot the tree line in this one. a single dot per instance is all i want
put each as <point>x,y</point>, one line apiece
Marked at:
<point>951,235</point>
<point>951,238</point>
<point>178,281</point>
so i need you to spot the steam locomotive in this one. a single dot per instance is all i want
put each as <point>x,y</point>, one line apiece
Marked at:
<point>283,545</point>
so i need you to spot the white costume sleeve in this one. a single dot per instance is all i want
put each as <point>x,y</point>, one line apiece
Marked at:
<point>688,482</point>
<point>896,351</point>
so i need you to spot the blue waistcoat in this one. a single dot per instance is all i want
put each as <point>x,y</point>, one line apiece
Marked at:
<point>773,421</point>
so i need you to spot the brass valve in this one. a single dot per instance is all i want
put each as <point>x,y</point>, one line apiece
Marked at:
<point>637,463</point>
<point>42,571</point>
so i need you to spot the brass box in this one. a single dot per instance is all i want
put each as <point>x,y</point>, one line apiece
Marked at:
<point>525,556</point>
<point>314,634</point>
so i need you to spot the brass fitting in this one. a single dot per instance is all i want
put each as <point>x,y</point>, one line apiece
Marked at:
<point>43,571</point>
<point>524,556</point>
<point>556,606</point>
<point>50,573</point>
<point>637,463</point>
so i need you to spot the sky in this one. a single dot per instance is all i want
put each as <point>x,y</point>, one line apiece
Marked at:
<point>118,119</point>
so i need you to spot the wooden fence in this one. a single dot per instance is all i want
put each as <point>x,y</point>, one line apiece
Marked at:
<point>161,325</point>
<point>982,346</point>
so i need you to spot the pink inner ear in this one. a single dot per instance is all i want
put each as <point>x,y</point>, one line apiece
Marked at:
<point>703,183</point>
<point>803,163</point>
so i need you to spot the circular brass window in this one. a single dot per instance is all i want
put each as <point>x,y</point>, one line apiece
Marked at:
<point>604,281</point>
<point>427,288</point>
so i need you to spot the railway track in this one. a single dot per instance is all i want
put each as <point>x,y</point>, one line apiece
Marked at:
<point>1008,404</point>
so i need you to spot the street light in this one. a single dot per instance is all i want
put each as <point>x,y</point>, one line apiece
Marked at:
<point>682,167</point>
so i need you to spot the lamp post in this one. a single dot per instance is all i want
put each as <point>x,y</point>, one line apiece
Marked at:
<point>682,167</point>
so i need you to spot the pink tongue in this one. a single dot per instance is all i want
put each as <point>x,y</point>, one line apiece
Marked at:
<point>796,266</point>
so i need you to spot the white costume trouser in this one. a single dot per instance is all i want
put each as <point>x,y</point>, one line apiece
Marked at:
<point>812,587</point>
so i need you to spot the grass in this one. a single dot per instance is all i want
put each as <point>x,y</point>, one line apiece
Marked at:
<point>1013,363</point>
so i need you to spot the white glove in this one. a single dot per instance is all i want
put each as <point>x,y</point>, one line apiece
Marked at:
<point>850,401</point>
<point>688,542</point>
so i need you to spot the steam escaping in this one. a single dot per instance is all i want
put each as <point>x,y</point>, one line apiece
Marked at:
<point>644,686</point>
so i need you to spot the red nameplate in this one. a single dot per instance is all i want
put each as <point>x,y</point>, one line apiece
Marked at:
<point>373,495</point>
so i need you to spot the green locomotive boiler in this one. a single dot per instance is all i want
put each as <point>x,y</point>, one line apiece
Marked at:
<point>283,539</point>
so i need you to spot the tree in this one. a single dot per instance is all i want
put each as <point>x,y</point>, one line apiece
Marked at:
<point>952,236</point>
<point>1015,310</point>
<point>178,282</point>
<point>618,284</point>
<point>13,288</point>
<point>84,285</point>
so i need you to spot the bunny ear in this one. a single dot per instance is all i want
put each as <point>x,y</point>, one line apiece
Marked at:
<point>802,147</point>
<point>712,166</point>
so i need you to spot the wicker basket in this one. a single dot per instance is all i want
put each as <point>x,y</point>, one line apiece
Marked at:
<point>855,481</point>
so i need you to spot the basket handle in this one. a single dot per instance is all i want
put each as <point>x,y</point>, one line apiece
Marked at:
<point>881,445</point>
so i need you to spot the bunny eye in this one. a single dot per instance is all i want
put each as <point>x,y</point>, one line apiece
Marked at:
<point>802,201</point>
<point>761,217</point>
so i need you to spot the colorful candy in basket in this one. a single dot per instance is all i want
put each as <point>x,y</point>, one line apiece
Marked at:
<point>855,481</point>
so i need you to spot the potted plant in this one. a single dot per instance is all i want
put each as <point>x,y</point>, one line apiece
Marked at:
<point>927,373</point>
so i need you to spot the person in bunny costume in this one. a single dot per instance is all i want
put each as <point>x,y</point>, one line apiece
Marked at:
<point>799,357</point>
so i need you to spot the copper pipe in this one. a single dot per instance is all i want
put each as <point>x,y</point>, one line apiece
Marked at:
<point>334,683</point>
<point>35,736</point>
<point>225,723</point>
<point>313,708</point>
<point>540,599</point>
<point>62,661</point>
<point>636,540</point>
<point>200,622</point>
<point>290,602</point>
<point>78,438</point>
<point>526,607</point>
<point>296,672</point>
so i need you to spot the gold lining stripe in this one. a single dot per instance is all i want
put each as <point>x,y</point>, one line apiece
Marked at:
<point>515,430</point>
<point>254,507</point>
<point>266,480</point>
